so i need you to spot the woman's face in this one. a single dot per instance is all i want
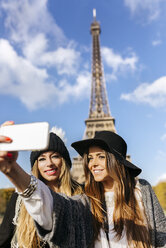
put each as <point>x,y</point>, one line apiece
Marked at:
<point>49,165</point>
<point>97,164</point>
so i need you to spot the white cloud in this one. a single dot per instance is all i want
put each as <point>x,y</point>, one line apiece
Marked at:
<point>79,90</point>
<point>156,42</point>
<point>162,178</point>
<point>117,62</point>
<point>151,7</point>
<point>35,48</point>
<point>65,60</point>
<point>153,94</point>
<point>21,79</point>
<point>163,137</point>
<point>32,85</point>
<point>27,59</point>
<point>24,18</point>
<point>60,132</point>
<point>31,25</point>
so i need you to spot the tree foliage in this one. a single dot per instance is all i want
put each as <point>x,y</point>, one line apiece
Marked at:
<point>160,190</point>
<point>5,195</point>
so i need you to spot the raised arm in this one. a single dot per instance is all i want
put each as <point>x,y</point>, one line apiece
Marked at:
<point>10,168</point>
<point>34,200</point>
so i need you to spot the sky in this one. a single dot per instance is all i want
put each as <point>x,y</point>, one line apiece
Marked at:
<point>45,71</point>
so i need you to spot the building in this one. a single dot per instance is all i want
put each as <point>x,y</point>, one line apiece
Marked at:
<point>99,112</point>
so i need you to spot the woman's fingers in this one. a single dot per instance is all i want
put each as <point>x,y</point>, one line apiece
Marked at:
<point>7,158</point>
<point>8,155</point>
<point>3,155</point>
<point>7,123</point>
<point>5,139</point>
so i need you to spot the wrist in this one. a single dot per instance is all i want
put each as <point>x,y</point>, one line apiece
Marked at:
<point>18,176</point>
<point>30,189</point>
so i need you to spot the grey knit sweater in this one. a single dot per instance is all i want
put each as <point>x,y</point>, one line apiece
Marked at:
<point>72,220</point>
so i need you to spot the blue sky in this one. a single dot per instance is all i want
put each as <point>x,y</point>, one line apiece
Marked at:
<point>45,71</point>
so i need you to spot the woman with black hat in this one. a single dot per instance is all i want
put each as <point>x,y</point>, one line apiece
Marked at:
<point>52,166</point>
<point>117,210</point>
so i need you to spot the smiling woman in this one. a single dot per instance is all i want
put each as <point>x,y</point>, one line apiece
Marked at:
<point>97,164</point>
<point>119,201</point>
<point>51,166</point>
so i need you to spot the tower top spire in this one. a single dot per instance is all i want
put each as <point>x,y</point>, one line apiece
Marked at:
<point>94,14</point>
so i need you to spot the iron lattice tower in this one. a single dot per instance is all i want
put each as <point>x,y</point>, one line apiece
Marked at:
<point>99,104</point>
<point>99,112</point>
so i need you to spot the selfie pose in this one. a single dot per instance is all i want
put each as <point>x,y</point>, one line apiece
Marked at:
<point>52,166</point>
<point>117,210</point>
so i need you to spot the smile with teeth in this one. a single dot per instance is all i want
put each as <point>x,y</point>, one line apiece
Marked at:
<point>97,171</point>
<point>51,171</point>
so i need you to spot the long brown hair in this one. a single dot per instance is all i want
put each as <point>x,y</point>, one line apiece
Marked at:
<point>127,214</point>
<point>25,229</point>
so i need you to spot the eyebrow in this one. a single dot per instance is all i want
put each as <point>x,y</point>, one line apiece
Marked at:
<point>99,153</point>
<point>41,156</point>
<point>44,155</point>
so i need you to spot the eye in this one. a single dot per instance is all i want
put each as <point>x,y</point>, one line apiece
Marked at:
<point>56,156</point>
<point>41,159</point>
<point>102,156</point>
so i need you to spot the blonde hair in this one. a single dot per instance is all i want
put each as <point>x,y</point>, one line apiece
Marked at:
<point>25,229</point>
<point>127,214</point>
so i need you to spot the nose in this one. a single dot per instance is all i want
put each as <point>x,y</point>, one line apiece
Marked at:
<point>93,162</point>
<point>49,162</point>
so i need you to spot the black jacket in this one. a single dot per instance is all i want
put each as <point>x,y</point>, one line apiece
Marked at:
<point>7,227</point>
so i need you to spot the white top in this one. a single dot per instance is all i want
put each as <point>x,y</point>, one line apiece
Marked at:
<point>40,205</point>
<point>102,241</point>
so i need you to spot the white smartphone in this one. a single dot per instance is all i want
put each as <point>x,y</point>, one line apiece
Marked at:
<point>28,136</point>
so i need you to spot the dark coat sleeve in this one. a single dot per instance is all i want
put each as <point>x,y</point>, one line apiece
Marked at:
<point>7,227</point>
<point>72,222</point>
<point>155,214</point>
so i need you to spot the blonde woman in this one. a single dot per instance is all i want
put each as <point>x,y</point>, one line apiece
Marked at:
<point>53,168</point>
<point>117,210</point>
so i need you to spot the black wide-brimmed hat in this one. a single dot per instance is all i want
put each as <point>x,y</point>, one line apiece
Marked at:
<point>110,142</point>
<point>55,144</point>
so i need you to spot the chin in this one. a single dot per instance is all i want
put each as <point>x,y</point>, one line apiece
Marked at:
<point>98,179</point>
<point>52,179</point>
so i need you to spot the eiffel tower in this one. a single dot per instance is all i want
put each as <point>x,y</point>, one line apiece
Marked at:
<point>99,113</point>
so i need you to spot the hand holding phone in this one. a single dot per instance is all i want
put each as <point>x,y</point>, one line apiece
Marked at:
<point>29,136</point>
